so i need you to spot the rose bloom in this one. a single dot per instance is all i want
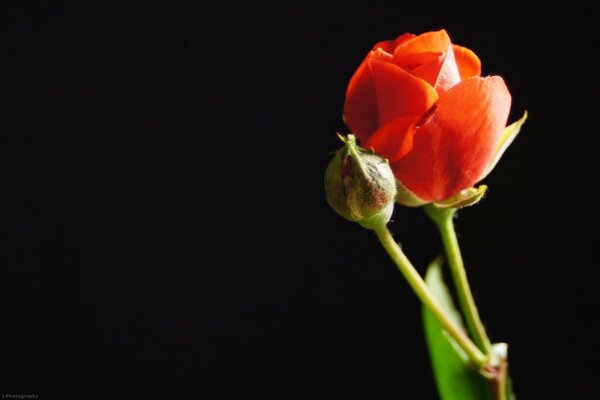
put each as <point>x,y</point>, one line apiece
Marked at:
<point>420,102</point>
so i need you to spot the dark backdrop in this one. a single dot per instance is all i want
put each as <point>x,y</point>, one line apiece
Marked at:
<point>163,227</point>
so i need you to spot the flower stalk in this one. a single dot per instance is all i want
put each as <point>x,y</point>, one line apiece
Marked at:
<point>476,356</point>
<point>443,218</point>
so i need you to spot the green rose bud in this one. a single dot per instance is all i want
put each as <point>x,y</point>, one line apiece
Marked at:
<point>360,185</point>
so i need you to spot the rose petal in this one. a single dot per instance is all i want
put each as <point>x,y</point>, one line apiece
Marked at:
<point>411,52</point>
<point>394,139</point>
<point>399,94</point>
<point>455,142</point>
<point>430,69</point>
<point>508,135</point>
<point>416,60</point>
<point>448,76</point>
<point>390,45</point>
<point>379,54</point>
<point>440,72</point>
<point>360,108</point>
<point>468,63</point>
<point>380,92</point>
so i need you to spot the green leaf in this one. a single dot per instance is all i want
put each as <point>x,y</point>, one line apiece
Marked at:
<point>455,379</point>
<point>509,388</point>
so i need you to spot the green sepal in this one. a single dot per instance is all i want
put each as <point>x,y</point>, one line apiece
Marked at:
<point>508,135</point>
<point>406,197</point>
<point>360,185</point>
<point>464,198</point>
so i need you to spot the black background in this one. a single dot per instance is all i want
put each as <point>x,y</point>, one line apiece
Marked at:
<point>163,227</point>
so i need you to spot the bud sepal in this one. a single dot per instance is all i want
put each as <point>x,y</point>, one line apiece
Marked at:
<point>360,185</point>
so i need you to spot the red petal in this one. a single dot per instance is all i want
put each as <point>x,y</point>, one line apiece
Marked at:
<point>412,52</point>
<point>394,139</point>
<point>448,76</point>
<point>360,108</point>
<point>390,45</point>
<point>440,72</point>
<point>380,92</point>
<point>399,94</point>
<point>456,140</point>
<point>430,68</point>
<point>379,54</point>
<point>467,61</point>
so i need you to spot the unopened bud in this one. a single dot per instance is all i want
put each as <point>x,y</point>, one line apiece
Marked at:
<point>360,185</point>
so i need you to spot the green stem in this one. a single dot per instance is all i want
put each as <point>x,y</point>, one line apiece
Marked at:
<point>444,221</point>
<point>501,394</point>
<point>422,291</point>
<point>497,374</point>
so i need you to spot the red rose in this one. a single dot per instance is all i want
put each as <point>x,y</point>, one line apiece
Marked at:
<point>419,101</point>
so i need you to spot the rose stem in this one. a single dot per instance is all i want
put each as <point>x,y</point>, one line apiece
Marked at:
<point>444,221</point>
<point>424,294</point>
